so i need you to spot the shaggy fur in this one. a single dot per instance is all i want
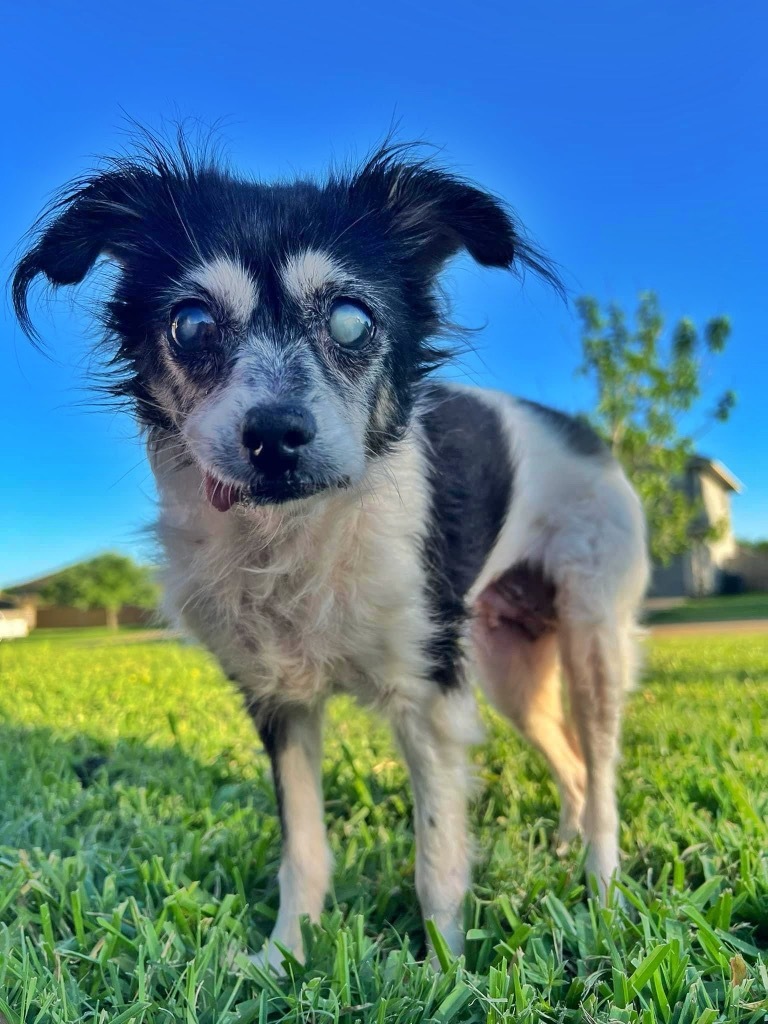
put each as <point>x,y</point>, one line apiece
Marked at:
<point>333,518</point>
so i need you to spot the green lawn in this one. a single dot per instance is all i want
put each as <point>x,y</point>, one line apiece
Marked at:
<point>714,609</point>
<point>138,849</point>
<point>85,634</point>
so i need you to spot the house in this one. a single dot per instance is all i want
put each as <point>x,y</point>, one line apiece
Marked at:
<point>710,566</point>
<point>16,618</point>
<point>26,596</point>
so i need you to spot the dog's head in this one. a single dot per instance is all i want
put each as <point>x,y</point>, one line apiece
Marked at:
<point>279,330</point>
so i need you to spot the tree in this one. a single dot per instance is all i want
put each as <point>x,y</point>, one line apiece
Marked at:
<point>645,387</point>
<point>108,581</point>
<point>760,547</point>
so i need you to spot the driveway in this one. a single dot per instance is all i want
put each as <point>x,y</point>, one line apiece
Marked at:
<point>737,626</point>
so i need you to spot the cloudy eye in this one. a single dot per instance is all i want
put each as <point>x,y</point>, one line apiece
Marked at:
<point>193,327</point>
<point>350,324</point>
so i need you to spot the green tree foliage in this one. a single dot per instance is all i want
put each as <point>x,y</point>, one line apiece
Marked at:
<point>108,581</point>
<point>647,381</point>
<point>760,547</point>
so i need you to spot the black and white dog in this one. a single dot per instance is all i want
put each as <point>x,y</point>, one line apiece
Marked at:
<point>334,518</point>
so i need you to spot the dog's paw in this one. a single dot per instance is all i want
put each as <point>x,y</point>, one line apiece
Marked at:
<point>270,958</point>
<point>274,953</point>
<point>569,831</point>
<point>562,845</point>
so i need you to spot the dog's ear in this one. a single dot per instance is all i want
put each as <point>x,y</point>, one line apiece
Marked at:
<point>437,214</point>
<point>95,217</point>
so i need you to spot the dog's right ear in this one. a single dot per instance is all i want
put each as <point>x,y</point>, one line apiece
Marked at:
<point>89,219</point>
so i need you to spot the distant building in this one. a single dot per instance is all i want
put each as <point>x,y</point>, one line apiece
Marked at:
<point>709,567</point>
<point>16,618</point>
<point>23,600</point>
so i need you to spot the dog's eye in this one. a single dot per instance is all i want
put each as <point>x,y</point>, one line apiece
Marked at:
<point>350,323</point>
<point>193,327</point>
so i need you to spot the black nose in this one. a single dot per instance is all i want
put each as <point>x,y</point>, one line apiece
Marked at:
<point>274,436</point>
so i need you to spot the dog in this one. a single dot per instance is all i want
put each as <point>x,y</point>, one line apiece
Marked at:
<point>334,516</point>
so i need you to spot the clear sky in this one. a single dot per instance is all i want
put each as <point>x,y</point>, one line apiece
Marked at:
<point>631,137</point>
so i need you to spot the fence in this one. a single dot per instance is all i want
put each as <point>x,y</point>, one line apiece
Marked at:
<point>61,617</point>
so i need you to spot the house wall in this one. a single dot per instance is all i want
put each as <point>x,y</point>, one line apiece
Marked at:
<point>703,572</point>
<point>29,610</point>
<point>699,571</point>
<point>751,566</point>
<point>717,503</point>
<point>13,624</point>
<point>670,580</point>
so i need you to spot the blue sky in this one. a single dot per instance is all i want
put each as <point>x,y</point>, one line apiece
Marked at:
<point>630,137</point>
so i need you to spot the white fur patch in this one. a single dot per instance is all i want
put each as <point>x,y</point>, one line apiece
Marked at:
<point>575,516</point>
<point>298,600</point>
<point>307,272</point>
<point>229,283</point>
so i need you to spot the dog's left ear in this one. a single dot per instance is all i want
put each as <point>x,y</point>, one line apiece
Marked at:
<point>437,214</point>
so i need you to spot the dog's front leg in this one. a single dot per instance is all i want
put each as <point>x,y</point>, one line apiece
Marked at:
<point>434,741</point>
<point>292,737</point>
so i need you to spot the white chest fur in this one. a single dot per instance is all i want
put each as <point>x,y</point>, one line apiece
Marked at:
<point>295,602</point>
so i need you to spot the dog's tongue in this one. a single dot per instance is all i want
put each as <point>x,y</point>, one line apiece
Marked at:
<point>222,496</point>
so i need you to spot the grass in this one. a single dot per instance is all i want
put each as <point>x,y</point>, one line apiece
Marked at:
<point>714,609</point>
<point>85,634</point>
<point>138,850</point>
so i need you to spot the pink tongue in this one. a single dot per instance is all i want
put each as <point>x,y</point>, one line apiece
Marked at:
<point>222,496</point>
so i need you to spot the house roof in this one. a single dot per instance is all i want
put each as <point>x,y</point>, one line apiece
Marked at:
<point>719,471</point>
<point>28,588</point>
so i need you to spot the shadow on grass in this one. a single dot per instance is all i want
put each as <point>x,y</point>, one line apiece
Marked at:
<point>116,815</point>
<point>129,811</point>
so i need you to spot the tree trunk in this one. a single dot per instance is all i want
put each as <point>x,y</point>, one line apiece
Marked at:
<point>112,614</point>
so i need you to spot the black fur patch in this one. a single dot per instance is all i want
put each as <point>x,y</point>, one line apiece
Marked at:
<point>578,435</point>
<point>87,770</point>
<point>471,481</point>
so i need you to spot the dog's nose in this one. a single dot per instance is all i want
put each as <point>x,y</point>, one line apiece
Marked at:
<point>274,436</point>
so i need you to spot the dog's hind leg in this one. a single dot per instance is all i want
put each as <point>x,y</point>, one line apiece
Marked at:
<point>521,678</point>
<point>597,660</point>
